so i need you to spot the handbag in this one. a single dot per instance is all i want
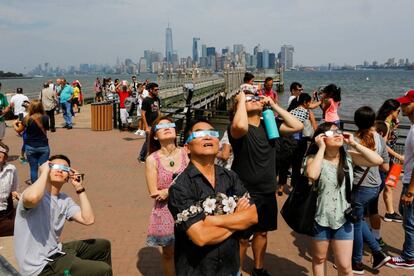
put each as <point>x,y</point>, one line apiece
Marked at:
<point>299,209</point>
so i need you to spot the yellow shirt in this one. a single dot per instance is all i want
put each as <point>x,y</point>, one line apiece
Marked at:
<point>76,92</point>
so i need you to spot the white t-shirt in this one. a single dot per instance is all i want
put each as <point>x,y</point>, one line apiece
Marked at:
<point>37,231</point>
<point>409,156</point>
<point>17,101</point>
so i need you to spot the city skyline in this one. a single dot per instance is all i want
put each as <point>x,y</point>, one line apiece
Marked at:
<point>322,32</point>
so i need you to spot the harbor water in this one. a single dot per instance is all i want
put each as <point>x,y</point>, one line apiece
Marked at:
<point>366,87</point>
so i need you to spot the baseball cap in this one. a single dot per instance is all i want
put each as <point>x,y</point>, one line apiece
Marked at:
<point>408,98</point>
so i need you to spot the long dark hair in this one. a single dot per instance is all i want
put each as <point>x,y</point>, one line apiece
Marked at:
<point>364,118</point>
<point>333,92</point>
<point>153,144</point>
<point>387,108</point>
<point>313,149</point>
<point>300,100</point>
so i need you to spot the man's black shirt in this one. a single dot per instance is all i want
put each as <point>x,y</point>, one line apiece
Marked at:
<point>189,188</point>
<point>254,160</point>
<point>151,106</point>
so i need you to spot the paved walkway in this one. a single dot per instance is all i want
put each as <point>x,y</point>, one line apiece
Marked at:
<point>115,184</point>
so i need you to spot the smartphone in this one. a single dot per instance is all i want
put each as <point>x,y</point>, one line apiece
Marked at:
<point>21,117</point>
<point>80,176</point>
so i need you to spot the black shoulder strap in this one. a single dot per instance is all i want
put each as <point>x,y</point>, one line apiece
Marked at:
<point>348,184</point>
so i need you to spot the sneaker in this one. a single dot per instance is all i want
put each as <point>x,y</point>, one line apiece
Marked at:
<point>142,133</point>
<point>381,243</point>
<point>260,272</point>
<point>400,262</point>
<point>358,268</point>
<point>380,259</point>
<point>69,127</point>
<point>393,217</point>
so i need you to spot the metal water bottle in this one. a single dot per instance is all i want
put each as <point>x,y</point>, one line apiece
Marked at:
<point>270,122</point>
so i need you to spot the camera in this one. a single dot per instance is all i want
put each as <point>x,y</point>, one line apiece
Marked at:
<point>350,216</point>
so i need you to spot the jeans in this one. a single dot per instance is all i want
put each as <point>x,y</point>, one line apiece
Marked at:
<point>67,113</point>
<point>144,149</point>
<point>362,197</point>
<point>88,257</point>
<point>408,225</point>
<point>36,156</point>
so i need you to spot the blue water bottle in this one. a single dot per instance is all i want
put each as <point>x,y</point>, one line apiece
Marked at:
<point>270,122</point>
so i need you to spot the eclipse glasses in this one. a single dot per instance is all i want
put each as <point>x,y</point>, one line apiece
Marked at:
<point>202,133</point>
<point>167,125</point>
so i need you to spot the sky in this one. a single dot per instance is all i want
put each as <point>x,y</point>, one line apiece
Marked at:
<point>71,32</point>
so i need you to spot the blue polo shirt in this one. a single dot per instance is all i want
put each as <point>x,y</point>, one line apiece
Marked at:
<point>66,93</point>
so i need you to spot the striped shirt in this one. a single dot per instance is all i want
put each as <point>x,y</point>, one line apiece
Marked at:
<point>8,184</point>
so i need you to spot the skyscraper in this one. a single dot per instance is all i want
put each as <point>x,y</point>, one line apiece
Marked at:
<point>204,50</point>
<point>168,45</point>
<point>265,59</point>
<point>195,50</point>
<point>286,57</point>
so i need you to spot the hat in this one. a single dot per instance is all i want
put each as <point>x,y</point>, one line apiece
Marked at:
<point>74,83</point>
<point>408,98</point>
<point>19,90</point>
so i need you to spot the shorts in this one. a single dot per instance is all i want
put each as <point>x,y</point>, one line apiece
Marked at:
<point>124,115</point>
<point>2,129</point>
<point>75,101</point>
<point>266,205</point>
<point>345,232</point>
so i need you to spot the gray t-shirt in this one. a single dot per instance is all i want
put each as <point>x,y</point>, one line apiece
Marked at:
<point>373,178</point>
<point>37,231</point>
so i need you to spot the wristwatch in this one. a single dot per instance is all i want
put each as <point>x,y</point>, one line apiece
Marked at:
<point>80,191</point>
<point>409,194</point>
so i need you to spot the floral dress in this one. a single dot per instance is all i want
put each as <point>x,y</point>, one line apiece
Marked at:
<point>161,224</point>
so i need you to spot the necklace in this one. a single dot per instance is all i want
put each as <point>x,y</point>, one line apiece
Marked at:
<point>171,163</point>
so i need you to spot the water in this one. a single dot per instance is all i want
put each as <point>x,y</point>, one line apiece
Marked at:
<point>370,87</point>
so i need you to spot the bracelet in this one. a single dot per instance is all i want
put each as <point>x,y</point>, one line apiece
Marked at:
<point>80,191</point>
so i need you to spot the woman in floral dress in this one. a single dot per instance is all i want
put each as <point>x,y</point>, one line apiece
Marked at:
<point>164,163</point>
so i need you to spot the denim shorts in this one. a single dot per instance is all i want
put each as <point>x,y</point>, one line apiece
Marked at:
<point>345,232</point>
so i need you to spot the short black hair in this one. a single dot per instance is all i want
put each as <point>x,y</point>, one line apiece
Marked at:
<point>248,77</point>
<point>60,156</point>
<point>268,79</point>
<point>295,85</point>
<point>19,90</point>
<point>189,128</point>
<point>151,86</point>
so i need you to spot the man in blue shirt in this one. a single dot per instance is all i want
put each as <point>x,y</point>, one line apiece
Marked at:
<point>65,97</point>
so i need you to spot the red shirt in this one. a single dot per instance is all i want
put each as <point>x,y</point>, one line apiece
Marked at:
<point>272,94</point>
<point>122,96</point>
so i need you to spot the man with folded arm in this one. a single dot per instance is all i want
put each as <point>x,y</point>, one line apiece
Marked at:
<point>203,203</point>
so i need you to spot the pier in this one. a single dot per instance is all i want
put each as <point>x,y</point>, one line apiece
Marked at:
<point>115,184</point>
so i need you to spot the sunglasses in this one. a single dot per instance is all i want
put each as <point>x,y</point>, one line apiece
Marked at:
<point>252,98</point>
<point>166,125</point>
<point>331,133</point>
<point>202,133</point>
<point>60,167</point>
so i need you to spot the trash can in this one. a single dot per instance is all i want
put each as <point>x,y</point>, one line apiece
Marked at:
<point>101,116</point>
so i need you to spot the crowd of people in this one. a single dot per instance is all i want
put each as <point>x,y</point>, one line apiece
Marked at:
<point>224,201</point>
<point>216,198</point>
